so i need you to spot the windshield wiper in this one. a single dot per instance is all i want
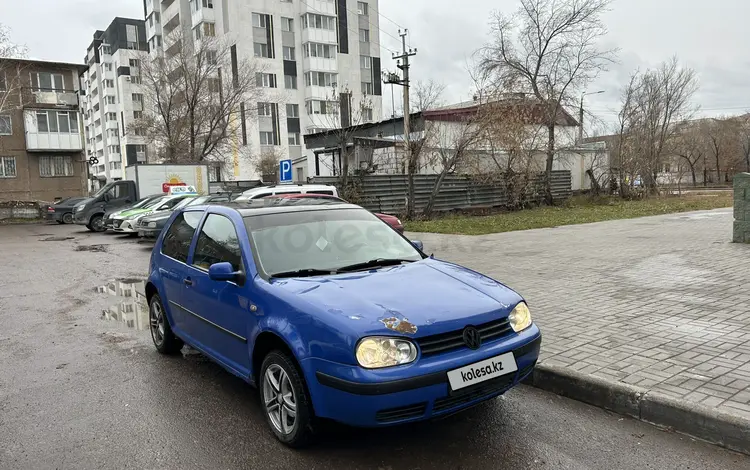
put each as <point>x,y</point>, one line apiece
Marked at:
<point>374,263</point>
<point>304,273</point>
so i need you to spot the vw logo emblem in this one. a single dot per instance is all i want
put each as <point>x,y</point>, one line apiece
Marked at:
<point>472,338</point>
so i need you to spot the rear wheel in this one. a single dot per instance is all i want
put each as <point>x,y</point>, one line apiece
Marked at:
<point>161,333</point>
<point>96,224</point>
<point>67,218</point>
<point>285,400</point>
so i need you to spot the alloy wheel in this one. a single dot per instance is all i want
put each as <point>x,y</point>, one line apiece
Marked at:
<point>156,319</point>
<point>279,399</point>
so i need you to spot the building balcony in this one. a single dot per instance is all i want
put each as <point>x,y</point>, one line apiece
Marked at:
<point>320,64</point>
<point>323,36</point>
<point>110,125</point>
<point>171,17</point>
<point>204,14</point>
<point>44,98</point>
<point>154,30</point>
<point>52,141</point>
<point>319,7</point>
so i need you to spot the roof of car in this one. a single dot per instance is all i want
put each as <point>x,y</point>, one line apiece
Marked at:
<point>252,209</point>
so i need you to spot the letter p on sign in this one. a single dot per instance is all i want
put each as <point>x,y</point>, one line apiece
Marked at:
<point>285,171</point>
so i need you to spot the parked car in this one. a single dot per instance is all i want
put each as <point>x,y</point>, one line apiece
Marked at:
<point>62,211</point>
<point>151,225</point>
<point>108,216</point>
<point>264,191</point>
<point>391,220</point>
<point>332,314</point>
<point>126,221</point>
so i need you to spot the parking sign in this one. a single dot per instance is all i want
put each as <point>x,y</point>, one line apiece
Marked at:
<point>285,171</point>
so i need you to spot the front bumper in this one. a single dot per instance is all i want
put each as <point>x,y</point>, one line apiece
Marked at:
<point>125,226</point>
<point>415,392</point>
<point>146,232</point>
<point>80,217</point>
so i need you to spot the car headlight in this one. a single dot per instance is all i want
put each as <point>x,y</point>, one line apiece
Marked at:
<point>152,225</point>
<point>376,352</point>
<point>520,317</point>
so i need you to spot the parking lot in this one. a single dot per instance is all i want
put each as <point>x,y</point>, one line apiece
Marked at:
<point>80,388</point>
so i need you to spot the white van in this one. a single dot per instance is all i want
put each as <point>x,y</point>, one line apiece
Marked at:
<point>264,191</point>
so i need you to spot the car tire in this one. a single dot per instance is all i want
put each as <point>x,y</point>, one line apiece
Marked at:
<point>67,218</point>
<point>290,386</point>
<point>164,339</point>
<point>96,224</point>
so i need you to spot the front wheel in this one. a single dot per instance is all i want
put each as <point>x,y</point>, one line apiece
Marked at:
<point>161,333</point>
<point>96,224</point>
<point>67,218</point>
<point>285,400</point>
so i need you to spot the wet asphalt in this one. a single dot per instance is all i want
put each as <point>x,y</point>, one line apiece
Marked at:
<point>79,391</point>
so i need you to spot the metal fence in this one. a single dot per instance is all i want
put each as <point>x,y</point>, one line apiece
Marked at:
<point>387,193</point>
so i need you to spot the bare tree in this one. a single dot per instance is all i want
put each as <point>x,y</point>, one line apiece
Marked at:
<point>195,100</point>
<point>266,165</point>
<point>549,49</point>
<point>743,130</point>
<point>10,83</point>
<point>690,146</point>
<point>340,115</point>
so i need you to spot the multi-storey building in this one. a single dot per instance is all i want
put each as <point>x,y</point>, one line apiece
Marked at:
<point>41,150</point>
<point>306,49</point>
<point>113,98</point>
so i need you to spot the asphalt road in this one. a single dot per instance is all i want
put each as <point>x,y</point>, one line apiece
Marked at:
<point>78,391</point>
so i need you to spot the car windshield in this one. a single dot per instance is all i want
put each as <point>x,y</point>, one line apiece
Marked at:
<point>154,203</point>
<point>145,201</point>
<point>324,240</point>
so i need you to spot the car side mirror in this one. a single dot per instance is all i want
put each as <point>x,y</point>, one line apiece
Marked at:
<point>418,245</point>
<point>225,272</point>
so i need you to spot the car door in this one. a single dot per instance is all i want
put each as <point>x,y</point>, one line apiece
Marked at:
<point>119,195</point>
<point>173,268</point>
<point>223,307</point>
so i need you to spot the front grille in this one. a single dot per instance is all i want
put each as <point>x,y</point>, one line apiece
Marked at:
<point>473,393</point>
<point>455,339</point>
<point>403,412</point>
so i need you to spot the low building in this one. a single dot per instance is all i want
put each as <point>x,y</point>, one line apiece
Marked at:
<point>41,144</point>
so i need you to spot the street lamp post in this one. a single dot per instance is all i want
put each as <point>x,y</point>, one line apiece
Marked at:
<point>580,115</point>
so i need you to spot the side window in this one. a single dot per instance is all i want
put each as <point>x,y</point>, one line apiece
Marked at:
<point>180,234</point>
<point>218,243</point>
<point>260,195</point>
<point>327,193</point>
<point>169,204</point>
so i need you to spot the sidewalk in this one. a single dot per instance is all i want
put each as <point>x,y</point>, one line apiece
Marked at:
<point>657,305</point>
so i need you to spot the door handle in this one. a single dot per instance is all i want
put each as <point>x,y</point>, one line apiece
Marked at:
<point>188,281</point>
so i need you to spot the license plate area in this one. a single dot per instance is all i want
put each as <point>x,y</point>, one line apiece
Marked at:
<point>468,376</point>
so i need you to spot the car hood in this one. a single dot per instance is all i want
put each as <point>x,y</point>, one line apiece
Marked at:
<point>83,202</point>
<point>129,212</point>
<point>158,216</point>
<point>422,298</point>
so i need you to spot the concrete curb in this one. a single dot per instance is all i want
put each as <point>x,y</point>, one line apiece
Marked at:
<point>702,422</point>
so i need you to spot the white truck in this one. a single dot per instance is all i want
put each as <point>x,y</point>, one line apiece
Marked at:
<point>142,181</point>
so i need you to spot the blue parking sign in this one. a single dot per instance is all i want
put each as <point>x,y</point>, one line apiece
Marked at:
<point>285,171</point>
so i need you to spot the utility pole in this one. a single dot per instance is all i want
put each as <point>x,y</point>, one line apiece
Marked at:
<point>580,116</point>
<point>402,62</point>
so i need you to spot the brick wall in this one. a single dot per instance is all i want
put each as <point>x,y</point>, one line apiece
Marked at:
<point>741,208</point>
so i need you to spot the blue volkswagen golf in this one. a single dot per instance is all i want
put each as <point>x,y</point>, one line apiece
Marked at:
<point>333,314</point>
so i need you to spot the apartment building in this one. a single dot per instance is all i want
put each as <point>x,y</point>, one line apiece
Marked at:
<point>306,48</point>
<point>41,149</point>
<point>113,99</point>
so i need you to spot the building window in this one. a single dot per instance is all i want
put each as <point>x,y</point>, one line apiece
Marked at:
<point>266,138</point>
<point>107,68</point>
<point>261,50</point>
<point>111,116</point>
<point>134,63</point>
<point>7,167</point>
<point>109,83</point>
<point>325,79</point>
<point>110,100</point>
<point>292,110</point>
<point>105,49</point>
<point>137,98</point>
<point>287,24</point>
<point>312,20</point>
<point>366,88</point>
<point>265,80</point>
<point>362,8</point>
<point>260,21</point>
<point>135,79</point>
<point>288,53</point>
<point>115,165</point>
<point>264,109</point>
<point>55,166</point>
<point>314,49</point>
<point>211,57</point>
<point>208,3</point>
<point>317,107</point>
<point>367,114</point>
<point>137,114</point>
<point>114,149</point>
<point>290,82</point>
<point>45,81</point>
<point>209,30</point>
<point>294,138</point>
<point>6,124</point>
<point>54,122</point>
<point>364,35</point>
<point>365,62</point>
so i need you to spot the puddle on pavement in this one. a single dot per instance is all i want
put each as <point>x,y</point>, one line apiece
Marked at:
<point>128,306</point>
<point>92,248</point>
<point>57,239</point>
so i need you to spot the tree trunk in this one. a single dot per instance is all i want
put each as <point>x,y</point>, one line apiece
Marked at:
<point>410,193</point>
<point>594,183</point>
<point>718,169</point>
<point>435,192</point>
<point>747,161</point>
<point>550,161</point>
<point>344,166</point>
<point>692,172</point>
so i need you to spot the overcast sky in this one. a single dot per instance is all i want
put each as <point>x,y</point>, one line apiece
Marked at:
<point>709,35</point>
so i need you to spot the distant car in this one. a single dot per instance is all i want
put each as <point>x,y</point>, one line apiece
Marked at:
<point>280,189</point>
<point>62,211</point>
<point>126,221</point>
<point>333,315</point>
<point>151,225</point>
<point>391,220</point>
<point>108,219</point>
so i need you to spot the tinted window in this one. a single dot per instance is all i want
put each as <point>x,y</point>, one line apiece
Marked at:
<point>180,234</point>
<point>218,243</point>
<point>328,193</point>
<point>170,204</point>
